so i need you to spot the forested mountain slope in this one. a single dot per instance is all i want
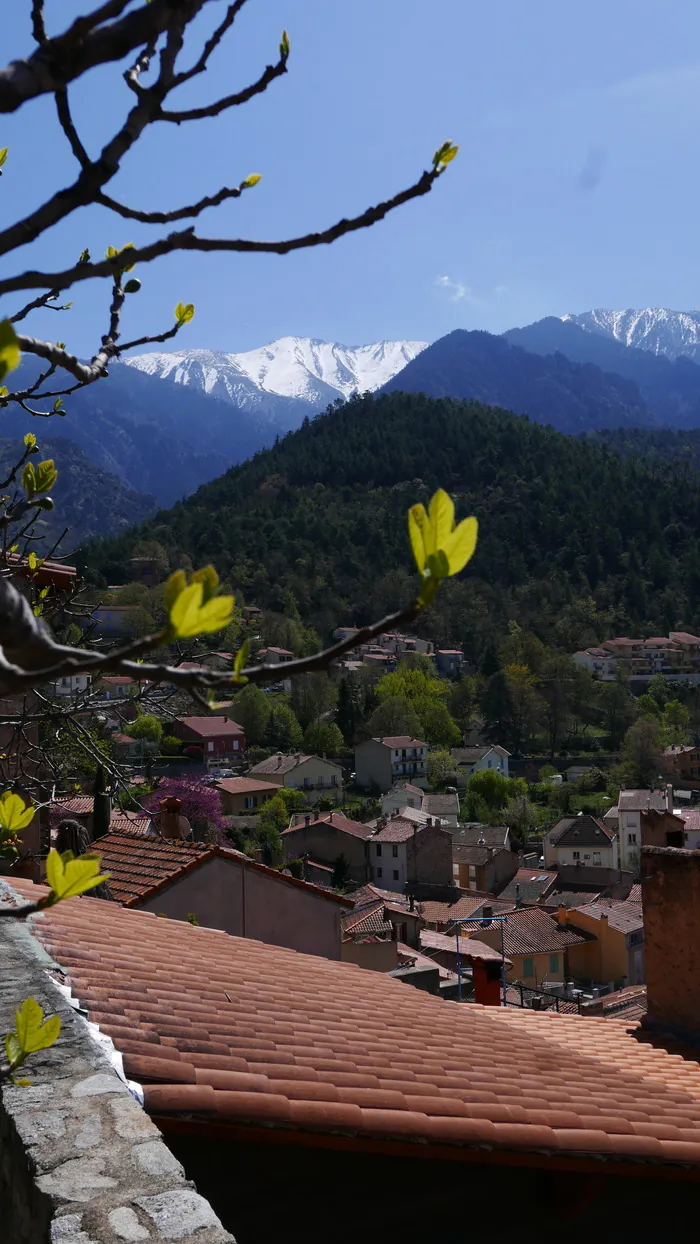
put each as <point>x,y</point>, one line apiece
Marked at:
<point>575,538</point>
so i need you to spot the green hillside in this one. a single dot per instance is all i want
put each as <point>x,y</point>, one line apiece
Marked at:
<point>576,538</point>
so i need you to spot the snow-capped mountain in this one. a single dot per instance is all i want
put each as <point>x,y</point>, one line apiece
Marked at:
<point>275,378</point>
<point>652,328</point>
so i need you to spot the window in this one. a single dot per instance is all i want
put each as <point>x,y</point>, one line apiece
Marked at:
<point>631,840</point>
<point>395,852</point>
<point>379,848</point>
<point>235,745</point>
<point>576,855</point>
<point>249,801</point>
<point>596,857</point>
<point>210,747</point>
<point>334,780</point>
<point>472,870</point>
<point>528,968</point>
<point>379,872</point>
<point>395,874</point>
<point>554,963</point>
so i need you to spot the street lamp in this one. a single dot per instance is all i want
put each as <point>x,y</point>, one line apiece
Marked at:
<point>483,922</point>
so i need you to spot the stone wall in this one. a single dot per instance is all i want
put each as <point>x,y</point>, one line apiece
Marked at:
<point>671,907</point>
<point>80,1160</point>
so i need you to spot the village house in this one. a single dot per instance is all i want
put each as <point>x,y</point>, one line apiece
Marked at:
<point>313,775</point>
<point>218,737</point>
<point>483,868</point>
<point>449,662</point>
<point>71,684</point>
<point>542,950</point>
<point>243,794</point>
<point>683,760</point>
<point>475,835</point>
<point>529,886</point>
<point>443,807</point>
<point>403,854</point>
<point>581,839</point>
<point>606,1131</point>
<point>470,760</point>
<point>114,687</point>
<point>325,837</point>
<point>630,806</point>
<point>675,657</point>
<point>402,795</point>
<point>222,889</point>
<point>383,762</point>
<point>441,915</point>
<point>617,954</point>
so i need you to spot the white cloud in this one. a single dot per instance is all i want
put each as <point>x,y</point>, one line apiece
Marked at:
<point>658,81</point>
<point>456,289</point>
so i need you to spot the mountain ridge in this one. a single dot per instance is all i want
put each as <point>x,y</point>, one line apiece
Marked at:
<point>656,329</point>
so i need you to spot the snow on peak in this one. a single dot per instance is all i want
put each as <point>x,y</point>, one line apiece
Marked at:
<point>316,372</point>
<point>657,329</point>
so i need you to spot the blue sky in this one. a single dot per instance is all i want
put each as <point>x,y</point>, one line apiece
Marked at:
<point>576,184</point>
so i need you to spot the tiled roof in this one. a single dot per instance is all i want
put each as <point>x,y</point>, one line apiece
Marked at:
<point>415,815</point>
<point>581,831</point>
<point>367,920</point>
<point>210,727</point>
<point>411,958</point>
<point>75,805</point>
<point>441,805</point>
<point>629,1003</point>
<point>131,822</point>
<point>641,800</point>
<point>398,829</point>
<point>530,931</point>
<point>624,916</point>
<point>691,817</point>
<point>471,949</point>
<point>469,755</point>
<point>434,912</point>
<point>470,835</point>
<point>229,1033</point>
<point>140,866</point>
<point>477,856</point>
<point>401,740</point>
<point>635,894</point>
<point>569,898</point>
<point>368,893</point>
<point>335,820</point>
<point>528,884</point>
<point>246,786</point>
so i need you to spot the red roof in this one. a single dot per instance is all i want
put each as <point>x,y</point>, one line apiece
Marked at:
<point>401,740</point>
<point>335,820</point>
<point>211,727</point>
<point>530,931</point>
<point>234,1035</point>
<point>399,829</point>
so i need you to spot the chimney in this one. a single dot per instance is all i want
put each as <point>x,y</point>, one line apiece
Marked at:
<point>669,797</point>
<point>172,823</point>
<point>489,854</point>
<point>517,894</point>
<point>487,911</point>
<point>561,914</point>
<point>670,901</point>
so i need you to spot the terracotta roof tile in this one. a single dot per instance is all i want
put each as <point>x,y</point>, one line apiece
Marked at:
<point>211,727</point>
<point>307,1044</point>
<point>530,931</point>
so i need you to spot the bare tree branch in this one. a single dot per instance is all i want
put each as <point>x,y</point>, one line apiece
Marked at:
<point>212,43</point>
<point>230,101</point>
<point>38,27</point>
<point>42,301</point>
<point>163,218</point>
<point>68,127</point>
<point>187,240</point>
<point>87,43</point>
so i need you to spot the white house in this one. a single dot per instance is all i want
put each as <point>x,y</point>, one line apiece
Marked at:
<point>383,762</point>
<point>72,684</point>
<point>630,805</point>
<point>401,795</point>
<point>581,840</point>
<point>473,759</point>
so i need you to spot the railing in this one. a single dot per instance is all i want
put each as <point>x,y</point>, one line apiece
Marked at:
<point>526,995</point>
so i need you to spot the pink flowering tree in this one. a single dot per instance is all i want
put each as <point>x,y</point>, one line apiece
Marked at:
<point>200,804</point>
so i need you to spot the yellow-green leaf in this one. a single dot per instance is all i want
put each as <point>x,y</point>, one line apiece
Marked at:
<point>3,155</point>
<point>184,312</point>
<point>251,180</point>
<point>14,813</point>
<point>32,561</point>
<point>9,349</point>
<point>13,1049</point>
<point>284,45</point>
<point>175,584</point>
<point>209,580</point>
<point>417,526</point>
<point>190,616</point>
<point>46,475</point>
<point>240,661</point>
<point>448,155</point>
<point>442,518</point>
<point>68,876</point>
<point>33,1032</point>
<point>29,479</point>
<point>460,545</point>
<point>30,440</point>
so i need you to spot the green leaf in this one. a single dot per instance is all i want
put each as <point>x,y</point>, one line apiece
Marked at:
<point>14,813</point>
<point>184,312</point>
<point>68,876</point>
<point>284,45</point>
<point>190,615</point>
<point>3,155</point>
<point>4,390</point>
<point>33,561</point>
<point>46,475</point>
<point>84,257</point>
<point>30,440</point>
<point>251,180</point>
<point>29,479</point>
<point>209,580</point>
<point>58,405</point>
<point>13,1049</point>
<point>33,1032</point>
<point>417,529</point>
<point>175,585</point>
<point>460,544</point>
<point>240,661</point>
<point>10,353</point>
<point>445,154</point>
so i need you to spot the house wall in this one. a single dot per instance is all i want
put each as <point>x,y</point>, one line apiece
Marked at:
<point>590,857</point>
<point>394,802</point>
<point>326,842</point>
<point>389,870</point>
<point>377,956</point>
<point>315,774</point>
<point>237,805</point>
<point>533,969</point>
<point>489,878</point>
<point>218,745</point>
<point>373,765</point>
<point>229,895</point>
<point>429,856</point>
<point>671,902</point>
